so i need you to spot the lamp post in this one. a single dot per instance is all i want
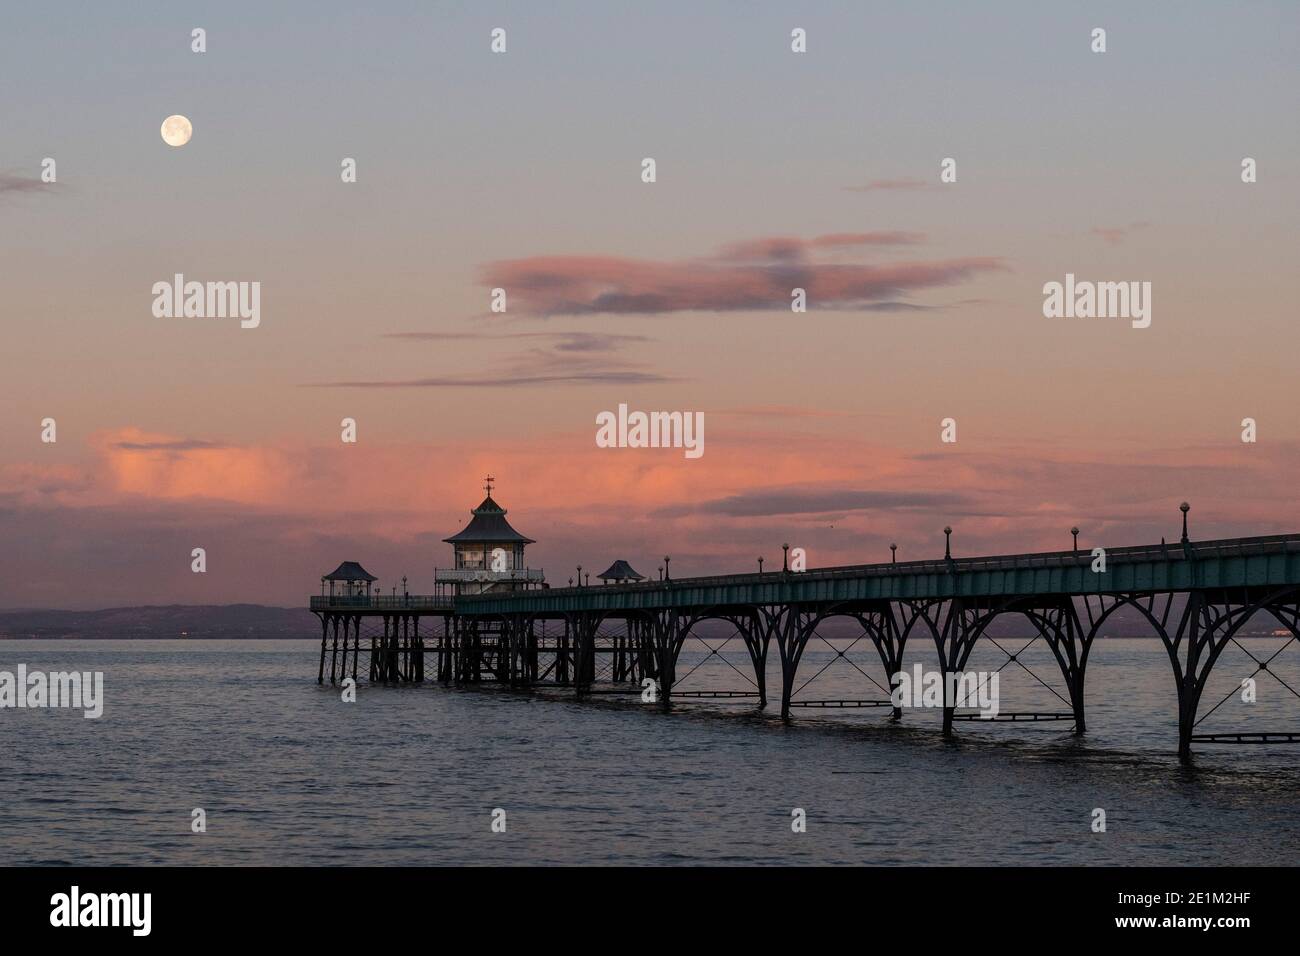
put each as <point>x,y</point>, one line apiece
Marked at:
<point>1075,531</point>
<point>668,575</point>
<point>580,575</point>
<point>760,571</point>
<point>785,557</point>
<point>947,543</point>
<point>1184,508</point>
<point>893,554</point>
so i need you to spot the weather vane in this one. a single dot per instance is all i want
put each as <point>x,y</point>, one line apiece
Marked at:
<point>487,484</point>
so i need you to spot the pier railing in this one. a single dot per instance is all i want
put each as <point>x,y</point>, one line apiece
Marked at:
<point>485,575</point>
<point>382,602</point>
<point>1175,566</point>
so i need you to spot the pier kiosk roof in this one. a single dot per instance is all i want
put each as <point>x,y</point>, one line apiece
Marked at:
<point>620,570</point>
<point>349,571</point>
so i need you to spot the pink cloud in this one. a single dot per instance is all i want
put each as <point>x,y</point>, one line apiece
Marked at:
<point>753,275</point>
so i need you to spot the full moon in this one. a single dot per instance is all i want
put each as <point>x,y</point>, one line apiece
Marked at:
<point>176,130</point>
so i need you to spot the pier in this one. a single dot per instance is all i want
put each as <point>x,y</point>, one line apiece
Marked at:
<point>618,637</point>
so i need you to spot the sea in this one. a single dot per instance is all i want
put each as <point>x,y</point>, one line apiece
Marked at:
<point>238,736</point>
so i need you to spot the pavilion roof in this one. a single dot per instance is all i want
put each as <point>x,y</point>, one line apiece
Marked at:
<point>488,526</point>
<point>620,570</point>
<point>350,571</point>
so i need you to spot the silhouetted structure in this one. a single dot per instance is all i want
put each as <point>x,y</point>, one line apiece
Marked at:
<point>489,554</point>
<point>356,581</point>
<point>554,637</point>
<point>620,572</point>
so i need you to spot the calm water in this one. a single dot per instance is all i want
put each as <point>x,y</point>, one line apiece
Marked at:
<point>289,774</point>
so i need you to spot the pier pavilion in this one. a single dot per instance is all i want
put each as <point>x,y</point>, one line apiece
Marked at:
<point>488,555</point>
<point>352,581</point>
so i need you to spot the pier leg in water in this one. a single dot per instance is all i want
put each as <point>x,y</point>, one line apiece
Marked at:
<point>391,671</point>
<point>324,635</point>
<point>418,645</point>
<point>334,652</point>
<point>465,651</point>
<point>585,652</point>
<point>460,635</point>
<point>593,634</point>
<point>444,650</point>
<point>1064,633</point>
<point>668,639</point>
<point>356,645</point>
<point>531,663</point>
<point>346,627</point>
<point>757,639</point>
<point>406,649</point>
<point>513,633</point>
<point>476,653</point>
<point>1192,635</point>
<point>562,652</point>
<point>399,650</point>
<point>519,643</point>
<point>882,628</point>
<point>792,632</point>
<point>648,656</point>
<point>954,644</point>
<point>1206,627</point>
<point>579,645</point>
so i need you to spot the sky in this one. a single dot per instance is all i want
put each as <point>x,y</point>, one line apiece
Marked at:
<point>522,170</point>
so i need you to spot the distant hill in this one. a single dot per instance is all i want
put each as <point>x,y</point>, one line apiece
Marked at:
<point>197,622</point>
